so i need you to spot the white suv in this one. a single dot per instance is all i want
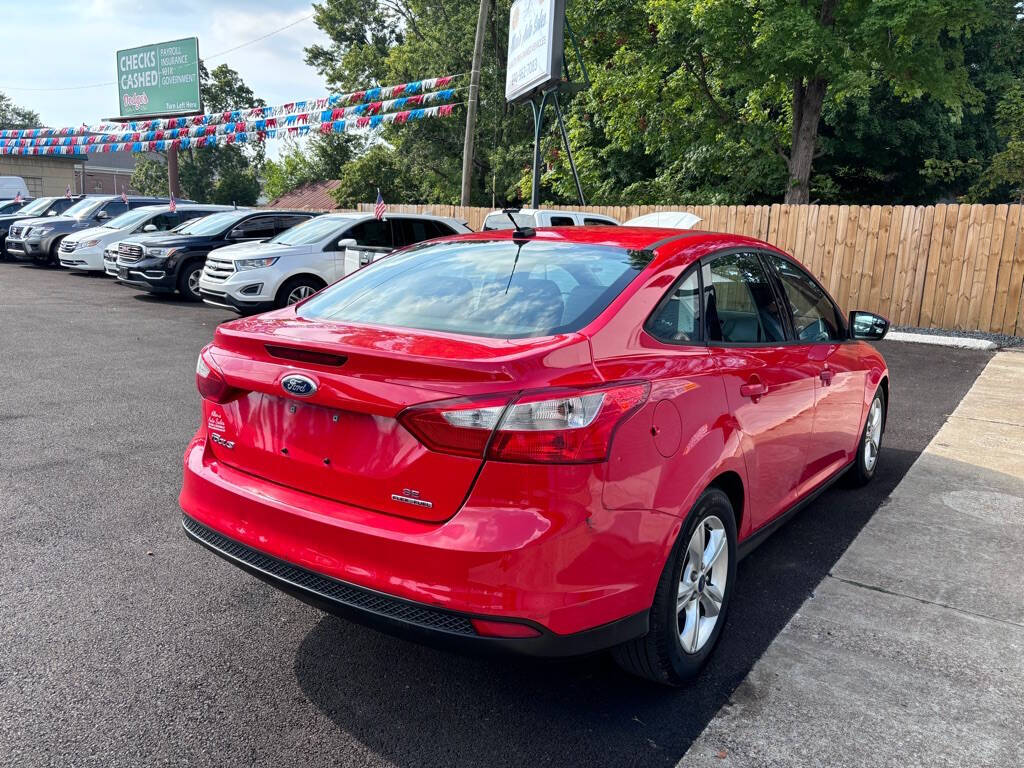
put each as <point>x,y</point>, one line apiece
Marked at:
<point>257,277</point>
<point>84,250</point>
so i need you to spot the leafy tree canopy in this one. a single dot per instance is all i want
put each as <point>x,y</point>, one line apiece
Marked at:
<point>695,101</point>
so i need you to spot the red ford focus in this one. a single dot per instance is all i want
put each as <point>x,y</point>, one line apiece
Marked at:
<point>551,442</point>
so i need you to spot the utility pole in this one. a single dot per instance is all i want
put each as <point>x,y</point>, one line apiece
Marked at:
<point>172,172</point>
<point>474,98</point>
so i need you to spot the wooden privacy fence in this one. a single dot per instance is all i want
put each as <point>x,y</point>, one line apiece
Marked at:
<point>943,266</point>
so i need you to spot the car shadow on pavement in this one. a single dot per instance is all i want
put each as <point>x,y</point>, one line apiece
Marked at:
<point>419,706</point>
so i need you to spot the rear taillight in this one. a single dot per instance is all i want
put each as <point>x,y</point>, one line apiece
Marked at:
<point>210,382</point>
<point>548,426</point>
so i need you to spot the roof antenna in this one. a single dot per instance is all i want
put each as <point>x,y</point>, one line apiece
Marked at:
<point>521,233</point>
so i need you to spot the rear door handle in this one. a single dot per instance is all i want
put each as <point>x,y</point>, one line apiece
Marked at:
<point>754,389</point>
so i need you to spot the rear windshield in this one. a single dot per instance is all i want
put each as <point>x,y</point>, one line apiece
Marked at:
<point>482,288</point>
<point>502,221</point>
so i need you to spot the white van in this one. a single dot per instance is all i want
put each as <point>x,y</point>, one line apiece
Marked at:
<point>11,186</point>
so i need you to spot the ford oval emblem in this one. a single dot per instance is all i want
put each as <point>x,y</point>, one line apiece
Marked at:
<point>299,386</point>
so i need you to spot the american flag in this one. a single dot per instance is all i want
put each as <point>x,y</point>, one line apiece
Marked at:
<point>67,191</point>
<point>124,196</point>
<point>381,208</point>
<point>173,204</point>
<point>17,197</point>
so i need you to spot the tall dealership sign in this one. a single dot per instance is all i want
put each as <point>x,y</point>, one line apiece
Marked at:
<point>535,47</point>
<point>160,80</point>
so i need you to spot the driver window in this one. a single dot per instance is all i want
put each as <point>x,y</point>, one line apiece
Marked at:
<point>741,306</point>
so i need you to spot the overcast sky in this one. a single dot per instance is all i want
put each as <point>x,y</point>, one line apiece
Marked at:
<point>65,43</point>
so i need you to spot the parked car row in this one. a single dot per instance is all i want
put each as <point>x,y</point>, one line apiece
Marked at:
<point>246,260</point>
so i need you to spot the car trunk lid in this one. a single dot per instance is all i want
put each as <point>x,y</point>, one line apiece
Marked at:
<point>335,434</point>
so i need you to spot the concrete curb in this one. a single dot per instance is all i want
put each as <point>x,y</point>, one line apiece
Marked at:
<point>963,342</point>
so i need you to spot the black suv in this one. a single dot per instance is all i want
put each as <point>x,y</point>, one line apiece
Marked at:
<point>174,262</point>
<point>37,239</point>
<point>41,206</point>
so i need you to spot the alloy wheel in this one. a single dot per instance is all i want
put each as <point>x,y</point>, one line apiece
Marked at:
<point>300,292</point>
<point>193,281</point>
<point>873,435</point>
<point>701,589</point>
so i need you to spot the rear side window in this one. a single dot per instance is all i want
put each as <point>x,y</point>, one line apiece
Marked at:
<point>259,228</point>
<point>412,231</point>
<point>165,221</point>
<point>284,223</point>
<point>562,221</point>
<point>815,318</point>
<point>482,288</point>
<point>677,318</point>
<point>741,304</point>
<point>372,233</point>
<point>588,222</point>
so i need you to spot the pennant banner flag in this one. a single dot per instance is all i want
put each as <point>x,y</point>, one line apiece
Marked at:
<point>252,126</point>
<point>365,97</point>
<point>365,122</point>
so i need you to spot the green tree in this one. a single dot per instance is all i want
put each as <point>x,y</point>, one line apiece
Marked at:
<point>1005,172</point>
<point>225,174</point>
<point>756,78</point>
<point>13,117</point>
<point>319,158</point>
<point>393,41</point>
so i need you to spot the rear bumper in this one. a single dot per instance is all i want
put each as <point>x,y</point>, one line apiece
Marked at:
<point>582,576</point>
<point>406,618</point>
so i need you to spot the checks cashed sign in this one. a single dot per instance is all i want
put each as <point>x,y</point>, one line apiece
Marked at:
<point>535,39</point>
<point>159,80</point>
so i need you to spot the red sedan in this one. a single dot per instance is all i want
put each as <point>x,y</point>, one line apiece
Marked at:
<point>551,442</point>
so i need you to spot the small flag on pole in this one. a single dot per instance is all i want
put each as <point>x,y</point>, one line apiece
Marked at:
<point>173,204</point>
<point>17,197</point>
<point>124,196</point>
<point>381,208</point>
<point>67,191</point>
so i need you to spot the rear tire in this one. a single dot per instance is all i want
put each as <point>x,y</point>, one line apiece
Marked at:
<point>692,600</point>
<point>866,464</point>
<point>296,289</point>
<point>188,280</point>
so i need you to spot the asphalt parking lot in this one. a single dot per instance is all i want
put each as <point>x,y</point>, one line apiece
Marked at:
<point>125,645</point>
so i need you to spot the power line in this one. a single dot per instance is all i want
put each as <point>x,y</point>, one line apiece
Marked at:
<point>204,58</point>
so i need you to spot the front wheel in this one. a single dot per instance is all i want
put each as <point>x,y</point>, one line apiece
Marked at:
<point>692,598</point>
<point>188,281</point>
<point>866,464</point>
<point>297,289</point>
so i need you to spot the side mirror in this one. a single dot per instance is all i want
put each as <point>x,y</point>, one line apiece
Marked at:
<point>236,234</point>
<point>149,228</point>
<point>102,216</point>
<point>51,213</point>
<point>347,242</point>
<point>867,326</point>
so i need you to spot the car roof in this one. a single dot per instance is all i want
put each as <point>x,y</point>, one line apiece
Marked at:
<point>189,206</point>
<point>668,245</point>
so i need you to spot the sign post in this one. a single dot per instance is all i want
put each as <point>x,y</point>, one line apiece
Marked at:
<point>536,51</point>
